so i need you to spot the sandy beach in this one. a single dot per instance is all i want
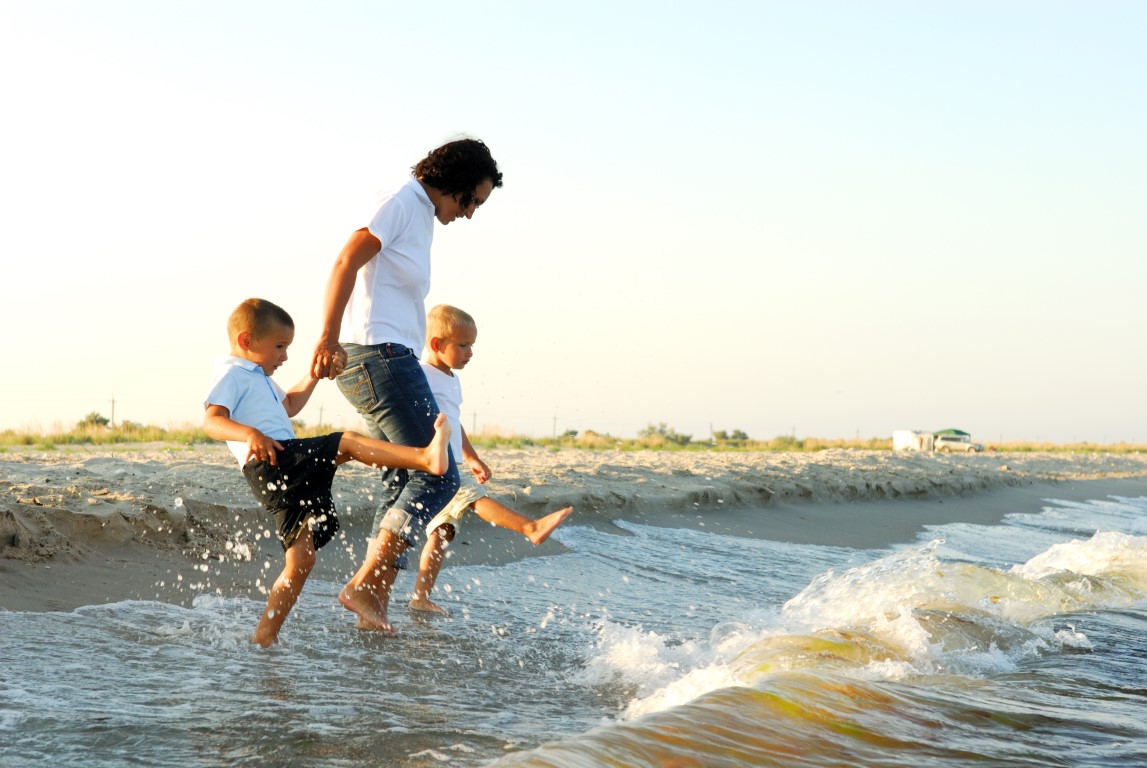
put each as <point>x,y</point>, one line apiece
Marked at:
<point>82,526</point>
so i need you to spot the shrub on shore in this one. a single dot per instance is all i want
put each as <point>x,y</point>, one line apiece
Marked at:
<point>96,431</point>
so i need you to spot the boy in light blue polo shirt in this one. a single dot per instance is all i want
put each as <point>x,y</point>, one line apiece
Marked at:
<point>291,477</point>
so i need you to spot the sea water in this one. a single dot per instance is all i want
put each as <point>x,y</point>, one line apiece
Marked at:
<point>1020,644</point>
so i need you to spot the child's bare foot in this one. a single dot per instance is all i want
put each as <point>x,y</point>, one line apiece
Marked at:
<point>428,606</point>
<point>370,611</point>
<point>541,528</point>
<point>437,460</point>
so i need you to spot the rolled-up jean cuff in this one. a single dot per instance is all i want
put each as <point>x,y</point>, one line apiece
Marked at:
<point>397,522</point>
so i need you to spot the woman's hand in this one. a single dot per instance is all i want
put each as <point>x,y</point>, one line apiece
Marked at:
<point>329,360</point>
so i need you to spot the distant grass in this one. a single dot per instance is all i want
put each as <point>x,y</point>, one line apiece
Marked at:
<point>1084,447</point>
<point>186,435</point>
<point>95,435</point>
<point>190,435</point>
<point>784,443</point>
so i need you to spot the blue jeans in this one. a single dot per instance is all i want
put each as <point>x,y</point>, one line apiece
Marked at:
<point>386,385</point>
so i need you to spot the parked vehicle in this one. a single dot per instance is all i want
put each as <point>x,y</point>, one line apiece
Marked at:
<point>956,443</point>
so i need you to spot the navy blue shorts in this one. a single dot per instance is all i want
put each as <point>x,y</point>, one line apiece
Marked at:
<point>297,489</point>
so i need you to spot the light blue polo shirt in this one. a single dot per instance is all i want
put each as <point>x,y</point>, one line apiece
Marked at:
<point>252,398</point>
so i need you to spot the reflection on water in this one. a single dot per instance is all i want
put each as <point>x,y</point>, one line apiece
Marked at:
<point>1019,644</point>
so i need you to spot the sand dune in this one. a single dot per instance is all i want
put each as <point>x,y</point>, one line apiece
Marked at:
<point>88,525</point>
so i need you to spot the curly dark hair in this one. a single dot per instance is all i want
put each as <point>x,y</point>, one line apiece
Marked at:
<point>457,168</point>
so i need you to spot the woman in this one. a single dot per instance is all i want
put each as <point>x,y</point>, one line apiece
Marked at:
<point>374,326</point>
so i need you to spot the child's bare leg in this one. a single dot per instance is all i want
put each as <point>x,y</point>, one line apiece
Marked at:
<point>379,453</point>
<point>367,594</point>
<point>539,530</point>
<point>429,564</point>
<point>300,559</point>
<point>502,516</point>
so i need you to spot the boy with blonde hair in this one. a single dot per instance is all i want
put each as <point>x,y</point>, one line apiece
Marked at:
<point>290,477</point>
<point>450,337</point>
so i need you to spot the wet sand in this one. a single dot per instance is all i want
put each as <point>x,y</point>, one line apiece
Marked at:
<point>83,526</point>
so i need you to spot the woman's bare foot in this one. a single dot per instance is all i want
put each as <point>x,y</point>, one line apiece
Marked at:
<point>370,611</point>
<point>428,606</point>
<point>361,624</point>
<point>437,460</point>
<point>265,642</point>
<point>540,529</point>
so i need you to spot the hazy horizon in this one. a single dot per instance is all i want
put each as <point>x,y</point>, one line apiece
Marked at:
<point>826,219</point>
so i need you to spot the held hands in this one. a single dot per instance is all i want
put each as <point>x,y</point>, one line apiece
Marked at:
<point>329,360</point>
<point>262,448</point>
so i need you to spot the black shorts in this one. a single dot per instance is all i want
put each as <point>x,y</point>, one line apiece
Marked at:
<point>297,489</point>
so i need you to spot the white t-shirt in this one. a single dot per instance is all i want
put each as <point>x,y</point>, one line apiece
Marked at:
<point>388,303</point>
<point>447,390</point>
<point>252,398</point>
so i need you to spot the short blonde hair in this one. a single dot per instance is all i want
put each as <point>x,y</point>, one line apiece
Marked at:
<point>258,317</point>
<point>443,322</point>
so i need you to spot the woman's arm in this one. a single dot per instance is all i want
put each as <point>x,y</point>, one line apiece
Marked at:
<point>329,357</point>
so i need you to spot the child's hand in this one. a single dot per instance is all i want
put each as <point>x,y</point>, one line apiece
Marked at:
<point>328,361</point>
<point>262,448</point>
<point>480,470</point>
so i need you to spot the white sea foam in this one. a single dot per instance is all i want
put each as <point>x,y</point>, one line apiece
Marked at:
<point>908,613</point>
<point>619,628</point>
<point>1107,552</point>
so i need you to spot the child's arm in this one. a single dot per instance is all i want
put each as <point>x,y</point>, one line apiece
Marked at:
<point>219,425</point>
<point>299,394</point>
<point>477,466</point>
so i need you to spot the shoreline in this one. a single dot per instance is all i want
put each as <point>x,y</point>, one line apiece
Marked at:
<point>87,526</point>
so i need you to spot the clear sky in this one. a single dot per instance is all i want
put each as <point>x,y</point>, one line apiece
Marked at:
<point>828,218</point>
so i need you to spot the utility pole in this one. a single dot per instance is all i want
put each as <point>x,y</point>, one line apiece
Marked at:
<point>113,411</point>
<point>555,425</point>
